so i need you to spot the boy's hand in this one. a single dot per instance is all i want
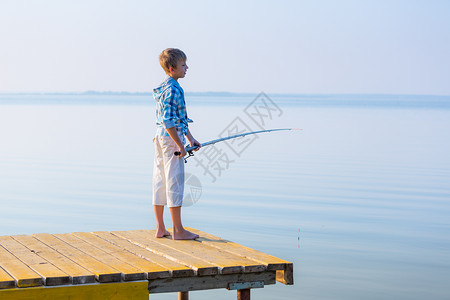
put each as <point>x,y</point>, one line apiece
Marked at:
<point>194,142</point>
<point>182,152</point>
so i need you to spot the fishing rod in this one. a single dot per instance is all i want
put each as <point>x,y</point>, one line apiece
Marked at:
<point>190,149</point>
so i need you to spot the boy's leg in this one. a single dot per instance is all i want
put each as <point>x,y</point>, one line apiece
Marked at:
<point>160,227</point>
<point>159,189</point>
<point>179,233</point>
<point>174,181</point>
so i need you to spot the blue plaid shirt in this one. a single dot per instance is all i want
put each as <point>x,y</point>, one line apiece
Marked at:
<point>170,107</point>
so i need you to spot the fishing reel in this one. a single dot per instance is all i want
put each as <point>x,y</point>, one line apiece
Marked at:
<point>189,150</point>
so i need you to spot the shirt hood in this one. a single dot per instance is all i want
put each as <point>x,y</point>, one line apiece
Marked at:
<point>167,83</point>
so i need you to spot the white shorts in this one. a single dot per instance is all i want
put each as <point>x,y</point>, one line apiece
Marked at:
<point>168,173</point>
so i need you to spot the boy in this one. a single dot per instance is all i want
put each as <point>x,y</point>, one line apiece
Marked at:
<point>172,127</point>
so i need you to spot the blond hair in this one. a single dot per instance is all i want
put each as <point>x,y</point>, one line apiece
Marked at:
<point>170,58</point>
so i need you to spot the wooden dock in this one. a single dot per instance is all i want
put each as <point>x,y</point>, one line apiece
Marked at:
<point>130,265</point>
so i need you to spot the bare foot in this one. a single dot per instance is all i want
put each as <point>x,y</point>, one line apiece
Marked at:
<point>184,235</point>
<point>161,233</point>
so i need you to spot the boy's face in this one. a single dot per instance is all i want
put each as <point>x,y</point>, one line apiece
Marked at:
<point>179,71</point>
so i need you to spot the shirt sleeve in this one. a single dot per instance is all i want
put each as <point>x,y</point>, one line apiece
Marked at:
<point>170,106</point>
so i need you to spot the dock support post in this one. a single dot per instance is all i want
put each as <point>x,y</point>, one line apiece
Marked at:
<point>243,294</point>
<point>183,296</point>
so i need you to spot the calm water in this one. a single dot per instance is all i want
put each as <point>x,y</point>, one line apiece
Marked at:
<point>359,200</point>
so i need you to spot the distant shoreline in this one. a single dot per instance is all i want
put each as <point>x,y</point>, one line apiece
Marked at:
<point>209,94</point>
<point>240,99</point>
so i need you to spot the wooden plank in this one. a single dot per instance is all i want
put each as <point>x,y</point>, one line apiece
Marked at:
<point>176,269</point>
<point>155,270</point>
<point>200,266</point>
<point>6,281</point>
<point>284,268</point>
<point>22,274</point>
<point>49,273</point>
<point>227,262</point>
<point>169,285</point>
<point>134,290</point>
<point>103,272</point>
<point>129,272</point>
<point>246,285</point>
<point>286,276</point>
<point>272,262</point>
<point>77,273</point>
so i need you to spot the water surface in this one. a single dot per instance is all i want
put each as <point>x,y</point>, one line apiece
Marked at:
<point>358,200</point>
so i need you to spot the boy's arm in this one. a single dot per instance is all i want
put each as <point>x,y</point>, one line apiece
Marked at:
<point>192,141</point>
<point>172,131</point>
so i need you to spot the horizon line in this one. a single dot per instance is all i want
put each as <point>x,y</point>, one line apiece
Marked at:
<point>211,93</point>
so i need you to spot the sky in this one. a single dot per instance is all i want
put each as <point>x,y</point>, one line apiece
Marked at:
<point>294,47</point>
